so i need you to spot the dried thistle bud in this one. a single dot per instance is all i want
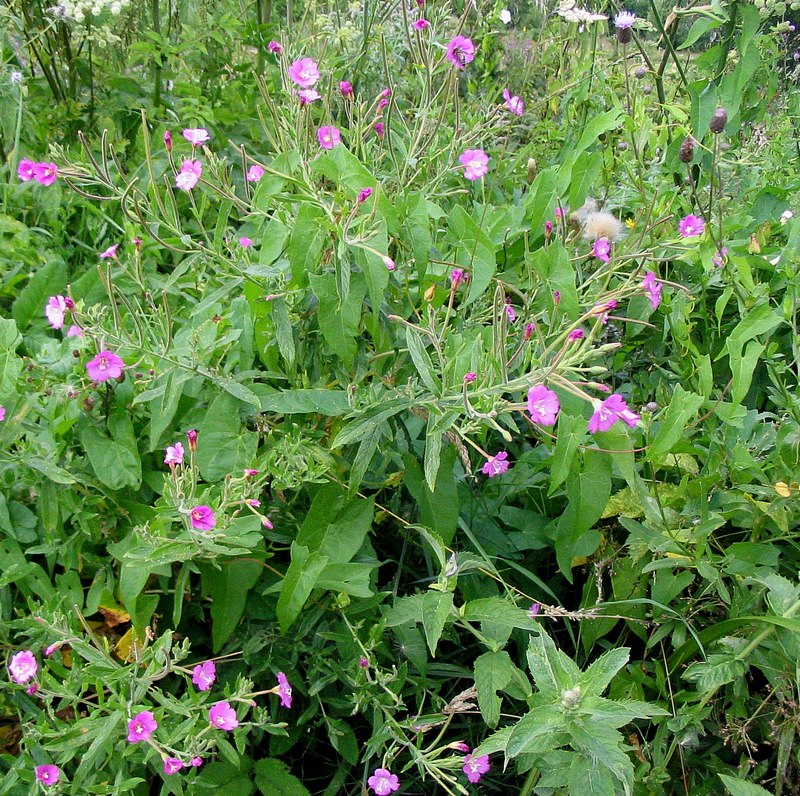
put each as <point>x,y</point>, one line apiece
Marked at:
<point>531,170</point>
<point>687,150</point>
<point>718,121</point>
<point>640,72</point>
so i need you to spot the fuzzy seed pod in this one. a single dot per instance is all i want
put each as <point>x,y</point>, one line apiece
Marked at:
<point>624,35</point>
<point>640,72</point>
<point>718,121</point>
<point>687,150</point>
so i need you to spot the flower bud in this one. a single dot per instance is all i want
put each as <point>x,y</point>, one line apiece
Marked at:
<point>640,72</point>
<point>389,263</point>
<point>529,177</point>
<point>528,333</point>
<point>718,121</point>
<point>456,275</point>
<point>168,140</point>
<point>191,438</point>
<point>468,377</point>
<point>346,88</point>
<point>686,152</point>
<point>624,35</point>
<point>364,194</point>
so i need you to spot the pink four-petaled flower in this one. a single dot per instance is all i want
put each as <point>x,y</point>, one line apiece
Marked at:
<point>460,51</point>
<point>304,72</point>
<point>284,690</point>
<point>652,288</point>
<point>189,175</point>
<point>105,366</point>
<point>383,782</point>
<point>56,309</point>
<point>141,727</point>
<point>45,173</point>
<point>172,765</point>
<point>601,249</point>
<point>496,465</point>
<point>23,666</point>
<point>223,716</point>
<point>475,163</point>
<point>47,774</point>
<point>609,412</point>
<point>475,767</point>
<point>196,135</point>
<point>255,173</point>
<point>513,103</point>
<point>202,518</point>
<point>329,136</point>
<point>543,405</point>
<point>204,675</point>
<point>174,454</point>
<point>691,225</point>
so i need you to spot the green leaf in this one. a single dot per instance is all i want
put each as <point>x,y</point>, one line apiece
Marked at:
<point>571,433</point>
<point>433,456</point>
<point>584,174</point>
<point>370,420</point>
<point>330,403</point>
<point>10,363</point>
<point>740,787</point>
<point>552,670</point>
<point>284,334</point>
<point>493,671</point>
<point>220,776</point>
<point>163,407</point>
<point>46,281</point>
<point>541,197</point>
<point>742,367</point>
<point>339,321</point>
<point>422,361</point>
<point>597,677</point>
<point>228,584</point>
<point>309,234</point>
<point>682,406</point>
<point>718,670</point>
<point>475,251</point>
<point>351,578</point>
<point>499,612</point>
<point>274,779</point>
<point>114,463</point>
<point>431,609</point>
<point>438,508</point>
<point>223,446</point>
<point>300,580</point>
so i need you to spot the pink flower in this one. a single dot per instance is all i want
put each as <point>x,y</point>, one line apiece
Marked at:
<point>275,47</point>
<point>346,88</point>
<point>456,277</point>
<point>533,611</point>
<point>691,225</point>
<point>496,465</point>
<point>168,140</point>
<point>383,782</point>
<point>110,252</point>
<point>55,309</point>
<point>363,662</point>
<point>204,675</point>
<point>652,288</point>
<point>575,334</point>
<point>74,331</point>
<point>202,518</point>
<point>609,412</point>
<point>470,377</point>
<point>245,242</point>
<point>284,690</point>
<point>460,51</point>
<point>45,173</point>
<point>460,746</point>
<point>328,137</point>
<point>308,95</point>
<point>379,129</point>
<point>475,163</point>
<point>421,24</point>
<point>382,104</point>
<point>528,333</point>
<point>543,405</point>
<point>189,175</point>
<point>191,438</point>
<point>304,72</point>
<point>174,454</point>
<point>475,767</point>
<point>141,726</point>
<point>48,651</point>
<point>223,716</point>
<point>172,765</point>
<point>603,308</point>
<point>196,135</point>
<point>106,365</point>
<point>25,170</point>
<point>512,316</point>
<point>602,249</point>
<point>363,195</point>
<point>48,775</point>
<point>255,173</point>
<point>389,263</point>
<point>513,103</point>
<point>196,762</point>
<point>22,667</point>
<point>250,472</point>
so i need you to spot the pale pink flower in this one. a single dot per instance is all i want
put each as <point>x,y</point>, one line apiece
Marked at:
<point>47,774</point>
<point>496,465</point>
<point>74,331</point>
<point>22,667</point>
<point>223,716</point>
<point>475,163</point>
<point>475,767</point>
<point>202,518</point>
<point>609,412</point>
<point>652,288</point>
<point>304,72</point>
<point>55,309</point>
<point>2,413</point>
<point>328,137</point>
<point>308,95</point>
<point>543,405</point>
<point>141,726</point>
<point>250,472</point>
<point>204,675</point>
<point>106,365</point>
<point>510,313</point>
<point>196,135</point>
<point>691,225</point>
<point>25,170</point>
<point>383,782</point>
<point>513,103</point>
<point>602,249</point>
<point>189,175</point>
<point>172,765</point>
<point>533,611</point>
<point>460,746</point>
<point>110,252</point>
<point>245,242</point>
<point>460,51</point>
<point>174,454</point>
<point>389,263</point>
<point>45,173</point>
<point>255,173</point>
<point>284,690</point>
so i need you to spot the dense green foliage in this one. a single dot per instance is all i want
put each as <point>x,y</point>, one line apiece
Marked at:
<point>610,308</point>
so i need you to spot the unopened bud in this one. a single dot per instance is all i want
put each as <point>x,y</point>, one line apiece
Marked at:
<point>168,140</point>
<point>528,333</point>
<point>456,275</point>
<point>640,72</point>
<point>429,293</point>
<point>624,35</point>
<point>191,438</point>
<point>389,263</point>
<point>686,152</point>
<point>548,229</point>
<point>88,404</point>
<point>531,170</point>
<point>718,121</point>
<point>468,377</point>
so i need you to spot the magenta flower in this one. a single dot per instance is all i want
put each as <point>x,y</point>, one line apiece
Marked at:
<point>609,412</point>
<point>691,225</point>
<point>602,249</point>
<point>512,315</point>
<point>2,413</point>
<point>346,88</point>
<point>460,51</point>
<point>55,309</point>
<point>106,365</point>
<point>172,765</point>
<point>110,252</point>
<point>48,774</point>
<point>189,175</point>
<point>284,690</point>
<point>328,137</point>
<point>382,104</point>
<point>141,726</point>
<point>389,263</point>
<point>255,173</point>
<point>196,135</point>
<point>45,173</point>
<point>543,405</point>
<point>174,454</point>
<point>475,163</point>
<point>513,103</point>
<point>528,332</point>
<point>25,170</point>
<point>196,762</point>
<point>383,782</point>
<point>250,472</point>
<point>379,128</point>
<point>304,72</point>
<point>168,140</point>
<point>245,242</point>
<point>202,518</point>
<point>363,195</point>
<point>22,667</point>
<point>575,334</point>
<point>308,95</point>
<point>470,377</point>
<point>223,716</point>
<point>652,288</point>
<point>533,611</point>
<point>475,767</point>
<point>191,438</point>
<point>275,47</point>
<point>204,675</point>
<point>456,277</point>
<point>421,24</point>
<point>496,465</point>
<point>363,662</point>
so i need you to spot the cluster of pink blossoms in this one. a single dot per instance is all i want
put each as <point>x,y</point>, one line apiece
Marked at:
<point>43,173</point>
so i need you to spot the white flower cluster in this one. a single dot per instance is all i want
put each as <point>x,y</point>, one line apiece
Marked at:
<point>572,12</point>
<point>79,10</point>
